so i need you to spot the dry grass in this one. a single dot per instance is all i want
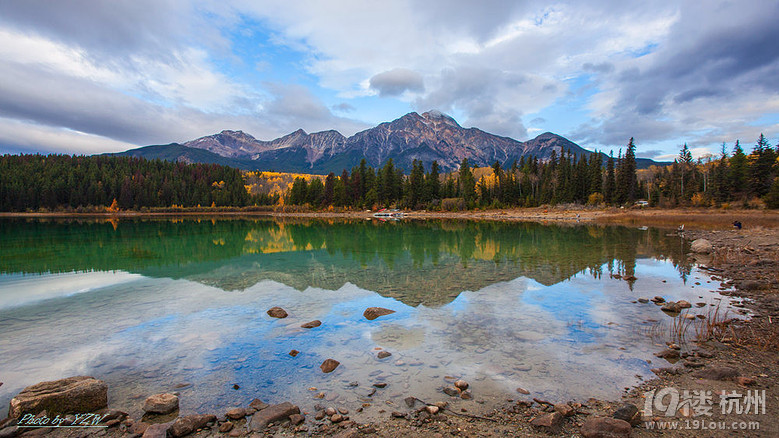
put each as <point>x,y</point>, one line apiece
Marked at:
<point>761,334</point>
<point>714,324</point>
<point>698,218</point>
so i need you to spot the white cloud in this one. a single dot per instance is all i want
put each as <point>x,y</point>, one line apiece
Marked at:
<point>17,135</point>
<point>148,71</point>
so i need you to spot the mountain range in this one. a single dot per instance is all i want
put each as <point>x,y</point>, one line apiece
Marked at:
<point>430,136</point>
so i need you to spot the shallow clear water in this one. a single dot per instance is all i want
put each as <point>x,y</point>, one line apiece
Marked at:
<point>180,305</point>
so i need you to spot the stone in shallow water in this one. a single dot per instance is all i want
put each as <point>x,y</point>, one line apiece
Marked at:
<point>161,404</point>
<point>236,413</point>
<point>258,404</point>
<point>451,391</point>
<point>383,354</point>
<point>73,395</point>
<point>329,365</point>
<point>277,312</point>
<point>372,313</point>
<point>312,324</point>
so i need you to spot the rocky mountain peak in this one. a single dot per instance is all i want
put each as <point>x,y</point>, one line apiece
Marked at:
<point>438,116</point>
<point>430,136</point>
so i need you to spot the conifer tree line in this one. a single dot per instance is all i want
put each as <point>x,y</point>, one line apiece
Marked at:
<point>527,183</point>
<point>32,182</point>
<point>561,179</point>
<point>730,178</point>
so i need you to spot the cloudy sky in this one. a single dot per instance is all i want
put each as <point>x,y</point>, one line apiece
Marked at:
<point>89,76</point>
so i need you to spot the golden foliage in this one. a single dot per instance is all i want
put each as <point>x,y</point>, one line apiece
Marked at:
<point>272,183</point>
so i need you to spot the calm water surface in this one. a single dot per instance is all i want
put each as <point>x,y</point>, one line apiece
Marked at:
<point>153,306</point>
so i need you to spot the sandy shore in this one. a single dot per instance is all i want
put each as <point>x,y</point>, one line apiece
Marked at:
<point>691,218</point>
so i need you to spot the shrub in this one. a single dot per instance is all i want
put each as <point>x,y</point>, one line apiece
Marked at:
<point>595,199</point>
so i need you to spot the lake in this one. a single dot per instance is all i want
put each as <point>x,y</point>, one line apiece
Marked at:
<point>166,305</point>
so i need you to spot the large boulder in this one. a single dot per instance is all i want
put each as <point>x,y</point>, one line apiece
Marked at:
<point>271,414</point>
<point>701,246</point>
<point>73,395</point>
<point>604,427</point>
<point>161,404</point>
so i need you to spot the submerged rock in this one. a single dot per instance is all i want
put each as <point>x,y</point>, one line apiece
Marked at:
<point>73,395</point>
<point>671,307</point>
<point>372,313</point>
<point>277,312</point>
<point>258,404</point>
<point>451,391</point>
<point>312,324</point>
<point>382,354</point>
<point>329,365</point>
<point>461,384</point>
<point>236,413</point>
<point>161,404</point>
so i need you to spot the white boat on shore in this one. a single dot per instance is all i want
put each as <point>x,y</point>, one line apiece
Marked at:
<point>384,213</point>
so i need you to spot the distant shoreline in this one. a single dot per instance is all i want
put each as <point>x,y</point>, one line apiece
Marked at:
<point>689,217</point>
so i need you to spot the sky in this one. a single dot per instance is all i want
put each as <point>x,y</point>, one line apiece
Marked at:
<point>89,76</point>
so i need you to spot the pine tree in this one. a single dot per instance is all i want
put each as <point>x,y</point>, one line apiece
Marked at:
<point>738,175</point>
<point>432,183</point>
<point>467,183</point>
<point>626,189</point>
<point>720,182</point>
<point>761,167</point>
<point>684,167</point>
<point>415,184</point>
<point>610,182</point>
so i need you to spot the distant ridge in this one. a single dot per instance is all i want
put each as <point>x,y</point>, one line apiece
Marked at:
<point>430,136</point>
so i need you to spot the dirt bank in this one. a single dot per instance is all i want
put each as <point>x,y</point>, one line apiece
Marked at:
<point>691,218</point>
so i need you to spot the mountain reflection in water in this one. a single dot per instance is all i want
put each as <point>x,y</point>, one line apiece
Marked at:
<point>417,262</point>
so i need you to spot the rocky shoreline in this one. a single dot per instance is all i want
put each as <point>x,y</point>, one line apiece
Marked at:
<point>737,357</point>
